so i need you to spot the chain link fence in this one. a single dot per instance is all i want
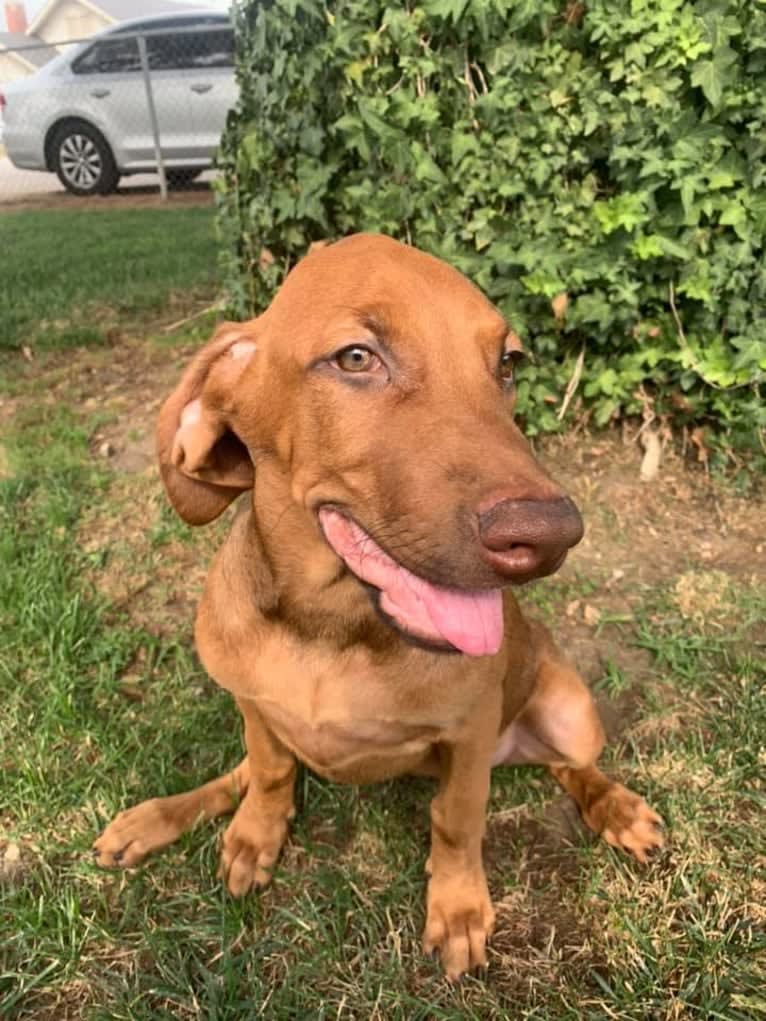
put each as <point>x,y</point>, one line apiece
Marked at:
<point>139,110</point>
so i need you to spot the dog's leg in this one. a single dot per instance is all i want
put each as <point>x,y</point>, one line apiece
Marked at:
<point>255,836</point>
<point>459,915</point>
<point>559,727</point>
<point>154,824</point>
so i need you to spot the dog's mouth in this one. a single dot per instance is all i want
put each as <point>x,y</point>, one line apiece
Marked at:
<point>466,621</point>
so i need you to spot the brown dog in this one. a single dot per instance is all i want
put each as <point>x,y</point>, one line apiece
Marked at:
<point>359,610</point>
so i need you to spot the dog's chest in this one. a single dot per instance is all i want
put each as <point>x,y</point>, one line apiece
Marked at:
<point>344,715</point>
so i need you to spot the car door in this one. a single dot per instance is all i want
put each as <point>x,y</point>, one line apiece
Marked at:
<point>172,101</point>
<point>113,88</point>
<point>107,88</point>
<point>209,69</point>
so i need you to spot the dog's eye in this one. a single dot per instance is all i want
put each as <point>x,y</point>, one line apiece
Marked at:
<point>508,366</point>
<point>356,359</point>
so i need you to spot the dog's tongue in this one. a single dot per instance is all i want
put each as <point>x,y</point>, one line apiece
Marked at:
<point>471,621</point>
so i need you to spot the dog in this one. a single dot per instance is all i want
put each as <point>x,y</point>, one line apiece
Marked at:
<point>361,609</point>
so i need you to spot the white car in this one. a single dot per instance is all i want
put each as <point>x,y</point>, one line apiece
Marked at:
<point>85,114</point>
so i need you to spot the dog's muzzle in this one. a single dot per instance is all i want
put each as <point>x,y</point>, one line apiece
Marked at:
<point>526,539</point>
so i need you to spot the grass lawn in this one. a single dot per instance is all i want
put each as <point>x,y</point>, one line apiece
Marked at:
<point>72,277</point>
<point>104,704</point>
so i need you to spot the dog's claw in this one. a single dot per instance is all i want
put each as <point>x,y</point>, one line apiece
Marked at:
<point>625,821</point>
<point>249,854</point>
<point>459,921</point>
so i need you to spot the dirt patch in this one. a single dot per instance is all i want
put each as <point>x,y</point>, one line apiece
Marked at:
<point>541,933</point>
<point>538,940</point>
<point>538,841</point>
<point>146,562</point>
<point>698,594</point>
<point>645,533</point>
<point>121,386</point>
<point>685,532</point>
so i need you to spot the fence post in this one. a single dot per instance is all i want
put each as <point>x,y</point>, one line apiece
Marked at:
<point>143,57</point>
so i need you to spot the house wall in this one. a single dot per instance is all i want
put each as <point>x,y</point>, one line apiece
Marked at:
<point>11,68</point>
<point>15,17</point>
<point>70,20</point>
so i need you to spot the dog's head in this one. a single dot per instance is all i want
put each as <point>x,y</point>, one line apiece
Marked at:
<point>375,396</point>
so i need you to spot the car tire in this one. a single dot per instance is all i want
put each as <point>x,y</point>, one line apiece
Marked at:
<point>83,160</point>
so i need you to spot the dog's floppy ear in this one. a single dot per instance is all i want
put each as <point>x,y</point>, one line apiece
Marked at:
<point>203,464</point>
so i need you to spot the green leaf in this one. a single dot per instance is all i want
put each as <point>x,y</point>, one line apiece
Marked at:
<point>647,246</point>
<point>688,191</point>
<point>720,179</point>
<point>707,76</point>
<point>448,9</point>
<point>374,122</point>
<point>732,214</point>
<point>674,248</point>
<point>627,211</point>
<point>462,144</point>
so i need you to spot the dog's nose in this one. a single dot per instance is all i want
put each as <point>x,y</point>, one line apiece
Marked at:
<point>526,539</point>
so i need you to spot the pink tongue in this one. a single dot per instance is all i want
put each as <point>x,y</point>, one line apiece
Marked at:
<point>471,621</point>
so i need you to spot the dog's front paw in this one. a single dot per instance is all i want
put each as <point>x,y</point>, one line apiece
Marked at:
<point>459,921</point>
<point>250,850</point>
<point>625,820</point>
<point>136,832</point>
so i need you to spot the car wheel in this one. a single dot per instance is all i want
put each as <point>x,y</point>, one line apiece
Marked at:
<point>83,160</point>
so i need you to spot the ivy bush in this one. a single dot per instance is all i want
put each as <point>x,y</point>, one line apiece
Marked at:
<point>597,169</point>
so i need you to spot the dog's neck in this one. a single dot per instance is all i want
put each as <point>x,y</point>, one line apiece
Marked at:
<point>298,581</point>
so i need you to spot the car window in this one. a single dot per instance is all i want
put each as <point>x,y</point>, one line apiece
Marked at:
<point>207,49</point>
<point>109,56</point>
<point>171,52</point>
<point>164,52</point>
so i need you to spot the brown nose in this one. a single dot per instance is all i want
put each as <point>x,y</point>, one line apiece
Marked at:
<point>525,539</point>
